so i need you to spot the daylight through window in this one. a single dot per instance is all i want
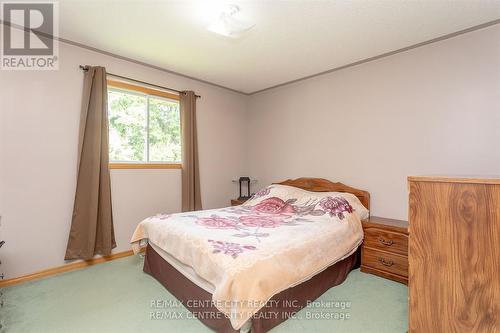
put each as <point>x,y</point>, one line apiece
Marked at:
<point>144,125</point>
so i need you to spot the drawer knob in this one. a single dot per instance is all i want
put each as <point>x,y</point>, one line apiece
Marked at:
<point>385,263</point>
<point>385,242</point>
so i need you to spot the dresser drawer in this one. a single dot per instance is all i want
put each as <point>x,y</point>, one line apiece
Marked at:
<point>384,261</point>
<point>386,240</point>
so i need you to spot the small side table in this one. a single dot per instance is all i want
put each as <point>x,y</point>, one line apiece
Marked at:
<point>385,248</point>
<point>237,202</point>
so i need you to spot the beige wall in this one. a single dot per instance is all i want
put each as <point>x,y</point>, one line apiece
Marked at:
<point>432,110</point>
<point>39,115</point>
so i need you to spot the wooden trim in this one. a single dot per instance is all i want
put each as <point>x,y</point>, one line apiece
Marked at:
<point>324,185</point>
<point>495,180</point>
<point>64,268</point>
<point>145,90</point>
<point>145,166</point>
<point>386,224</point>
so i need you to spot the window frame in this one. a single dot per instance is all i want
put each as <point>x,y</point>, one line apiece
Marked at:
<point>132,88</point>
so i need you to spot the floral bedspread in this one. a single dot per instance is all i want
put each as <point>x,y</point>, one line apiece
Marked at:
<point>279,238</point>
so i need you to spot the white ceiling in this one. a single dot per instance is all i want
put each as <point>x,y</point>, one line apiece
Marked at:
<point>291,39</point>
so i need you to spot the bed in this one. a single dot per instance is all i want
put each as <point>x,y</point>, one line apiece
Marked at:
<point>251,267</point>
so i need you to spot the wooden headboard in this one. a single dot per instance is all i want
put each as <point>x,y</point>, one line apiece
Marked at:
<point>323,185</point>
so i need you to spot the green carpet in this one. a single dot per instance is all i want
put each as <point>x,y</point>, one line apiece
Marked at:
<point>116,297</point>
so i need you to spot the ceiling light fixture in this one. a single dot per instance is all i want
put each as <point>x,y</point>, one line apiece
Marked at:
<point>229,24</point>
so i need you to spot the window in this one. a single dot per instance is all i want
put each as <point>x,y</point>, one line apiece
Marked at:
<point>144,127</point>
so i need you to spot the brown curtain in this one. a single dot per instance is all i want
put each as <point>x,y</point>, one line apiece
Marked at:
<point>191,196</point>
<point>92,224</point>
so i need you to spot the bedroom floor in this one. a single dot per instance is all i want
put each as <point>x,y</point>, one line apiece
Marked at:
<point>116,297</point>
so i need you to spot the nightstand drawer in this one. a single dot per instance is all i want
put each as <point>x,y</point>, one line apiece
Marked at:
<point>384,261</point>
<point>386,240</point>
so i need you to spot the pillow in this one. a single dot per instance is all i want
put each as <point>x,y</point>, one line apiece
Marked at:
<point>283,199</point>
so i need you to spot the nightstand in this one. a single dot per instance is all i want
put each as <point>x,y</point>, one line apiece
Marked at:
<point>237,202</point>
<point>385,248</point>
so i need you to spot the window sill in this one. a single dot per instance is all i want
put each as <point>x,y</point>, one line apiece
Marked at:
<point>145,166</point>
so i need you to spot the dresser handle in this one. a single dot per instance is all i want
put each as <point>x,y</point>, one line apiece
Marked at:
<point>385,242</point>
<point>385,263</point>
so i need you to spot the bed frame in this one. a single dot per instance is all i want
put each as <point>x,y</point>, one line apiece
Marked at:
<point>323,185</point>
<point>183,289</point>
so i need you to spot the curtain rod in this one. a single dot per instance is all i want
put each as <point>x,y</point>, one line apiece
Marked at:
<point>85,68</point>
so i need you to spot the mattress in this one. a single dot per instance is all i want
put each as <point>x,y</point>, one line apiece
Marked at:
<point>245,255</point>
<point>185,270</point>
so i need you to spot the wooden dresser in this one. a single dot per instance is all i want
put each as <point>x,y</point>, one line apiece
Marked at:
<point>385,248</point>
<point>454,254</point>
